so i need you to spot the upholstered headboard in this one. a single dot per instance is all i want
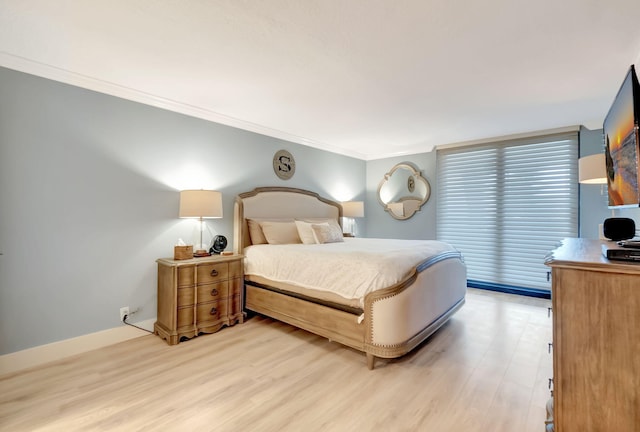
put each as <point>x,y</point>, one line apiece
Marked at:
<point>278,202</point>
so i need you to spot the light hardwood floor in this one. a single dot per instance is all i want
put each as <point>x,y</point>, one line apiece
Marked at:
<point>486,370</point>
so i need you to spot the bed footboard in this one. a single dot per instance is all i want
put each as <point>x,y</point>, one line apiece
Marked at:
<point>396,319</point>
<point>399,319</point>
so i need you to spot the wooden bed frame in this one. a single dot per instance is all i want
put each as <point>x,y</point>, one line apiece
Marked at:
<point>396,319</point>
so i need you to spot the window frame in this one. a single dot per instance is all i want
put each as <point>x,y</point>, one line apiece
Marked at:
<point>485,186</point>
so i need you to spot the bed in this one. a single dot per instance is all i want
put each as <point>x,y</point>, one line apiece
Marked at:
<point>385,315</point>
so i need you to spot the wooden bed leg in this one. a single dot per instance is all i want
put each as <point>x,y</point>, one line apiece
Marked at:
<point>371,361</point>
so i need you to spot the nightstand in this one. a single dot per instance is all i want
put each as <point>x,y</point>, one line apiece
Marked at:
<point>199,295</point>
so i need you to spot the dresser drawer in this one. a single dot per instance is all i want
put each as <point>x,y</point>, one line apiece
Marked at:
<point>211,311</point>
<point>214,272</point>
<point>186,276</point>
<point>213,292</point>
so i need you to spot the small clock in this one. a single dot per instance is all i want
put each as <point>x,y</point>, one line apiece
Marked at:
<point>218,245</point>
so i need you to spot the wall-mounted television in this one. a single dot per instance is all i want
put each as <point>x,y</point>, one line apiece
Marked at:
<point>622,144</point>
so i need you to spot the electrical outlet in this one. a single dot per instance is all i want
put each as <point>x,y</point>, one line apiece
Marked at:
<point>124,311</point>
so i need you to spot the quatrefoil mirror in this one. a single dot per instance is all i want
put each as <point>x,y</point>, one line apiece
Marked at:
<point>403,191</point>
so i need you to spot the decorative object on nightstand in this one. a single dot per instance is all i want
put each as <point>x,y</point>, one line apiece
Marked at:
<point>181,252</point>
<point>351,210</point>
<point>218,245</point>
<point>201,204</point>
<point>199,295</point>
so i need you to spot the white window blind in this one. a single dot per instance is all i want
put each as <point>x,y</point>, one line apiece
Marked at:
<point>506,205</point>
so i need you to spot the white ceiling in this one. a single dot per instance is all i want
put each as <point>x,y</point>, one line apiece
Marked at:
<point>364,78</point>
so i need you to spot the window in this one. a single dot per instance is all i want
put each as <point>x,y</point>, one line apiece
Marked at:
<point>505,205</point>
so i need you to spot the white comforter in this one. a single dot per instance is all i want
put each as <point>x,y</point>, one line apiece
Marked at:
<point>351,269</point>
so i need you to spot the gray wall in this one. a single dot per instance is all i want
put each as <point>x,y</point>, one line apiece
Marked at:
<point>89,200</point>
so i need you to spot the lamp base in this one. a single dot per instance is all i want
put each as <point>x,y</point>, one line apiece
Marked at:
<point>201,253</point>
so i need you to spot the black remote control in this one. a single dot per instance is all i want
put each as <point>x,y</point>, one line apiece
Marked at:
<point>635,244</point>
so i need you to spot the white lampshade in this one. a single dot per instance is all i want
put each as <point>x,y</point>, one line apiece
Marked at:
<point>203,204</point>
<point>592,169</point>
<point>353,209</point>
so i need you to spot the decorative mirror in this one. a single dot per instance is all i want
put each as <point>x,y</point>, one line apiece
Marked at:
<point>403,191</point>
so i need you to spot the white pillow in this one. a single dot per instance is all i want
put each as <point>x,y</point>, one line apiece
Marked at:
<point>326,233</point>
<point>331,221</point>
<point>305,232</point>
<point>280,232</point>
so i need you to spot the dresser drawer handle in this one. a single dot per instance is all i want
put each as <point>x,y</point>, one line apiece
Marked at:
<point>214,272</point>
<point>214,292</point>
<point>213,311</point>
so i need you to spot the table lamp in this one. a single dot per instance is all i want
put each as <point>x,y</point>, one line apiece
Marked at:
<point>201,204</point>
<point>592,169</point>
<point>352,209</point>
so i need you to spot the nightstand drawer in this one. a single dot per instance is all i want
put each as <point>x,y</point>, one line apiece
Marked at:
<point>185,316</point>
<point>213,292</point>
<point>235,305</point>
<point>211,311</point>
<point>236,269</point>
<point>185,296</point>
<point>186,276</point>
<point>213,272</point>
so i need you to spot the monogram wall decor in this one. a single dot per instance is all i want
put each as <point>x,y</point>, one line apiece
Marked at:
<point>284,165</point>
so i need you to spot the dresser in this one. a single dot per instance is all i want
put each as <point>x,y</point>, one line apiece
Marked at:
<point>199,295</point>
<point>596,339</point>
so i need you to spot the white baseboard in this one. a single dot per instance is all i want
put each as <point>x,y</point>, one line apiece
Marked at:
<point>39,355</point>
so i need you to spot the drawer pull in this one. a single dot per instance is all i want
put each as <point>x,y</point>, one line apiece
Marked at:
<point>214,292</point>
<point>214,272</point>
<point>213,311</point>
